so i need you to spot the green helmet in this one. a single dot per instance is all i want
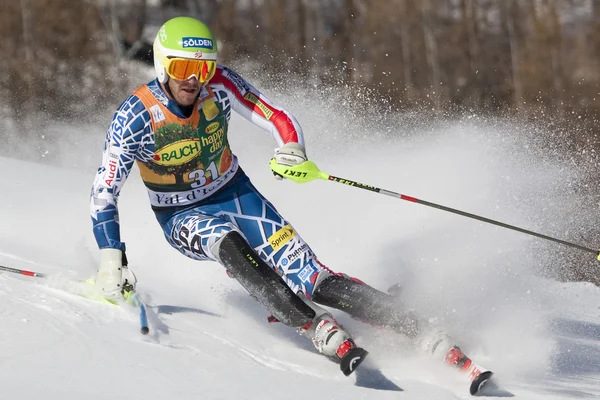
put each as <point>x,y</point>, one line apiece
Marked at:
<point>182,37</point>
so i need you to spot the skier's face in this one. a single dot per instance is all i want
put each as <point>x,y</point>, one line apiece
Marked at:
<point>184,92</point>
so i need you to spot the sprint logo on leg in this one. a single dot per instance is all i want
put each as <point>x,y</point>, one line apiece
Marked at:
<point>281,237</point>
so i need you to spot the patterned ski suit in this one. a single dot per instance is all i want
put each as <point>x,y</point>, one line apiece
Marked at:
<point>196,188</point>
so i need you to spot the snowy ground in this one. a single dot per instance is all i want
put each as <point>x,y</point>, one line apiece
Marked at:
<point>209,340</point>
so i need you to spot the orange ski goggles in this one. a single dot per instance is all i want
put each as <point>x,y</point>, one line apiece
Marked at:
<point>183,69</point>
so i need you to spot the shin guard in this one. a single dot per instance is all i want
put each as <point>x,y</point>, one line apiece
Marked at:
<point>261,281</point>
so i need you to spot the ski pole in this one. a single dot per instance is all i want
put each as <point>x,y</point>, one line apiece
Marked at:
<point>308,171</point>
<point>135,299</point>
<point>22,272</point>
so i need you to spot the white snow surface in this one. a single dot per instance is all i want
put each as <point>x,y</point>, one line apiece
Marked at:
<point>209,340</point>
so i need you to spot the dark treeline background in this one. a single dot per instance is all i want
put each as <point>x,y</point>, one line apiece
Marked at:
<point>528,60</point>
<point>492,55</point>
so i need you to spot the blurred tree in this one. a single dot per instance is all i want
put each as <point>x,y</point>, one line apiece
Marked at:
<point>594,32</point>
<point>49,48</point>
<point>350,34</point>
<point>469,23</point>
<point>490,55</point>
<point>509,13</point>
<point>295,22</point>
<point>405,40</point>
<point>132,21</point>
<point>431,49</point>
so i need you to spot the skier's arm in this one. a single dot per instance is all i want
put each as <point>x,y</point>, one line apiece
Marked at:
<point>247,101</point>
<point>120,148</point>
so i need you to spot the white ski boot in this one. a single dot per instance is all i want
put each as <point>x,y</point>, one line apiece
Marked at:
<point>442,347</point>
<point>331,340</point>
<point>328,337</point>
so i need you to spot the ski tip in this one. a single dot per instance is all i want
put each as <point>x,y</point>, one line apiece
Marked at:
<point>352,359</point>
<point>144,330</point>
<point>480,382</point>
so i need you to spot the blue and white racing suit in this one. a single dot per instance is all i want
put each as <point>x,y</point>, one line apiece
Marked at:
<point>196,187</point>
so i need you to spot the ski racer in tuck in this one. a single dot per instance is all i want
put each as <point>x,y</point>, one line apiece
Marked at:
<point>175,129</point>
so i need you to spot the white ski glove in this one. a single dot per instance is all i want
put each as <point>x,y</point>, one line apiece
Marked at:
<point>291,153</point>
<point>113,276</point>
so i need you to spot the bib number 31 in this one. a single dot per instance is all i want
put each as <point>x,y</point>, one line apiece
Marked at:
<point>199,176</point>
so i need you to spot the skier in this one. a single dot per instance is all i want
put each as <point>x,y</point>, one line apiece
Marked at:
<point>175,128</point>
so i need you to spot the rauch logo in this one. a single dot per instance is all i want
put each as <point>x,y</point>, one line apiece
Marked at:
<point>178,153</point>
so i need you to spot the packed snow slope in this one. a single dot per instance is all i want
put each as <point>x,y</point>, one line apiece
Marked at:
<point>210,340</point>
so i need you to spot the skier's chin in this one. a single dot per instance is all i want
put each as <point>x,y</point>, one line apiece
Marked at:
<point>184,93</point>
<point>186,97</point>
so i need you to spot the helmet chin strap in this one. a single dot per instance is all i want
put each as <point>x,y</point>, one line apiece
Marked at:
<point>168,89</point>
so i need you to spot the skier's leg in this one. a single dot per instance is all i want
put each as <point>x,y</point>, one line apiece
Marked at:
<point>279,245</point>
<point>206,237</point>
<point>261,281</point>
<point>378,308</point>
<point>364,302</point>
<point>381,309</point>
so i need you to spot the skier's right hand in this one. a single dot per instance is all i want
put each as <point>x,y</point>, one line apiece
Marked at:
<point>111,279</point>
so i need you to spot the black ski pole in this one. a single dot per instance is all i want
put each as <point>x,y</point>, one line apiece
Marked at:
<point>308,171</point>
<point>459,212</point>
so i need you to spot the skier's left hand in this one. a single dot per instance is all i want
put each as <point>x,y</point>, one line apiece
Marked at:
<point>289,154</point>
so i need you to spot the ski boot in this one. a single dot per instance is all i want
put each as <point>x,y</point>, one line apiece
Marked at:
<point>332,341</point>
<point>441,346</point>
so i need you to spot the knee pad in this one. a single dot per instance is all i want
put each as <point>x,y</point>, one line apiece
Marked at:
<point>215,245</point>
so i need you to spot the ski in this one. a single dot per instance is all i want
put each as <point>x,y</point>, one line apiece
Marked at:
<point>352,359</point>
